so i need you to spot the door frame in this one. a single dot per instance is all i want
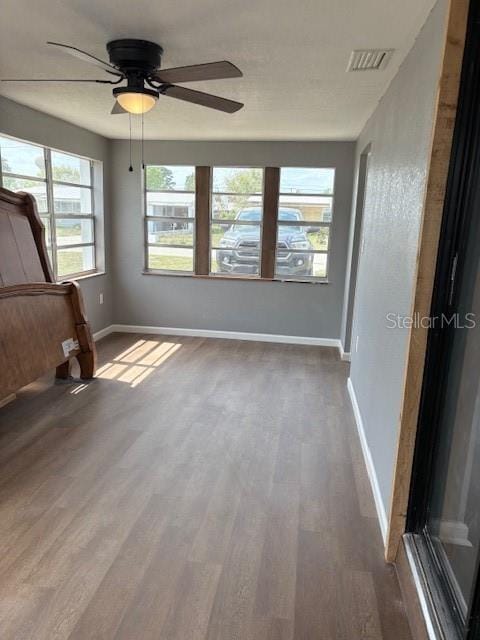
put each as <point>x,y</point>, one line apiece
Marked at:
<point>458,210</point>
<point>356,245</point>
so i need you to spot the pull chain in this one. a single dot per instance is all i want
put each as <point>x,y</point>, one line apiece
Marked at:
<point>143,162</point>
<point>130,168</point>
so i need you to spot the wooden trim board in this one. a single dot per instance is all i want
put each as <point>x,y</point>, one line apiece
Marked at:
<point>203,177</point>
<point>444,123</point>
<point>269,234</point>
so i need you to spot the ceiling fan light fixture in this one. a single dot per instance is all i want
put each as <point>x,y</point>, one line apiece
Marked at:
<point>136,100</point>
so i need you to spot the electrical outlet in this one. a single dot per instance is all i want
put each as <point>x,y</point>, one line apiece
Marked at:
<point>100,297</point>
<point>356,344</point>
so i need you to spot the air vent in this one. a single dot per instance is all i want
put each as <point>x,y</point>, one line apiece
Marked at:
<point>369,59</point>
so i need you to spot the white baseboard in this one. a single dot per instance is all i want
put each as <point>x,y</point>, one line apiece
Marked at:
<point>106,331</point>
<point>227,335</point>
<point>377,496</point>
<point>344,355</point>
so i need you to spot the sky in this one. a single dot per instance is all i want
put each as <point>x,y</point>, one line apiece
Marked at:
<point>27,160</point>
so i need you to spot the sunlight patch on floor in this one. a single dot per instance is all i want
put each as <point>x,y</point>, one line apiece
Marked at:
<point>78,389</point>
<point>137,362</point>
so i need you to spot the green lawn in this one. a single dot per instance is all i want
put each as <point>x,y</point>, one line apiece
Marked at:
<point>178,238</point>
<point>75,230</point>
<point>170,263</point>
<point>69,262</point>
<point>175,263</point>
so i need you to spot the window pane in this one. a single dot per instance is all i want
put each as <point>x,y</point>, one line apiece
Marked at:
<point>170,232</point>
<point>235,249</point>
<point>36,188</point>
<point>171,205</point>
<point>73,231</point>
<point>238,180</point>
<point>298,264</point>
<point>71,200</point>
<point>73,261</point>
<point>67,168</point>
<point>24,159</point>
<point>310,238</point>
<point>243,207</point>
<point>314,208</point>
<point>306,180</point>
<point>170,259</point>
<point>170,178</point>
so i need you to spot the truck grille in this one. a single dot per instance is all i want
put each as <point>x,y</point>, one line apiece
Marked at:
<point>248,248</point>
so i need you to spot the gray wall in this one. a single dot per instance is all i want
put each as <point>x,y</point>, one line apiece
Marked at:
<point>28,124</point>
<point>274,307</point>
<point>400,134</point>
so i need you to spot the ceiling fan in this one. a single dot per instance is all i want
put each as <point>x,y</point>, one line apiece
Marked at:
<point>138,62</point>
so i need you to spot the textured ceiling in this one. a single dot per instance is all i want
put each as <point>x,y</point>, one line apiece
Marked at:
<point>293,55</point>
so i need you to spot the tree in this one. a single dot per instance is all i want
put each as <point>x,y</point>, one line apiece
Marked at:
<point>160,178</point>
<point>247,181</point>
<point>190,182</point>
<point>65,173</point>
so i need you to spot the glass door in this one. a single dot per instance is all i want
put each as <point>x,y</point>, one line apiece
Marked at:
<point>453,514</point>
<point>443,520</point>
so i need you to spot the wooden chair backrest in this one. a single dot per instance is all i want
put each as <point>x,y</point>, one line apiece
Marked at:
<point>23,252</point>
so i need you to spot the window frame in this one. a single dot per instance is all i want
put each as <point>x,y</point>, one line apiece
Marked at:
<point>50,214</point>
<point>202,222</point>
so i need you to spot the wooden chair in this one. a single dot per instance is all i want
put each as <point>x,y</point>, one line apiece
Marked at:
<point>42,324</point>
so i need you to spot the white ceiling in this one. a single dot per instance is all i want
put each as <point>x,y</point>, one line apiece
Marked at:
<point>293,55</point>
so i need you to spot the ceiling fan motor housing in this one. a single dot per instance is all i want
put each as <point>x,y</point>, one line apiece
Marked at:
<point>136,58</point>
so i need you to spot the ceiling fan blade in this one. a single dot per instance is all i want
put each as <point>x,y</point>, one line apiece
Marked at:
<point>87,57</point>
<point>117,108</point>
<point>207,71</point>
<point>203,99</point>
<point>54,80</point>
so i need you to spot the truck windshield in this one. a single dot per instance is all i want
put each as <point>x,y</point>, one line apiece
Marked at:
<point>254,215</point>
<point>287,216</point>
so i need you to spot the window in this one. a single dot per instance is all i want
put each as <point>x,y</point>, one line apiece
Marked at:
<point>170,218</point>
<point>236,221</point>
<point>62,185</point>
<point>303,224</point>
<point>247,222</point>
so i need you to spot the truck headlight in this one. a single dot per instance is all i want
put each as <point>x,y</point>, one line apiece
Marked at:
<point>225,243</point>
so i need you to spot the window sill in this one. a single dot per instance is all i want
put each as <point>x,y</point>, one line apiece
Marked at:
<point>151,272</point>
<point>86,276</point>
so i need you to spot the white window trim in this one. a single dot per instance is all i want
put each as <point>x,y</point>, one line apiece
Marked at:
<point>50,213</point>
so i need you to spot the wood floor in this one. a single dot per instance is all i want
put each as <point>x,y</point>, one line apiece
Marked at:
<point>197,490</point>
